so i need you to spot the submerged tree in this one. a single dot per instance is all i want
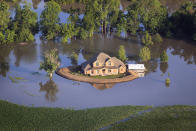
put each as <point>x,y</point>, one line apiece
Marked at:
<point>148,12</point>
<point>147,39</point>
<point>25,23</point>
<point>49,20</point>
<point>6,35</point>
<point>122,53</point>
<point>145,54</point>
<point>74,58</point>
<point>157,38</point>
<point>164,57</point>
<point>50,63</point>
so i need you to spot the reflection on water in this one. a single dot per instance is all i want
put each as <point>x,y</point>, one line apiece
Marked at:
<point>50,88</point>
<point>102,86</point>
<point>163,67</point>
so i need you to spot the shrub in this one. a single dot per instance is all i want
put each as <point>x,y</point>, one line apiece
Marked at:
<point>157,38</point>
<point>167,81</point>
<point>74,58</point>
<point>164,57</point>
<point>147,39</point>
<point>145,54</point>
<point>122,53</point>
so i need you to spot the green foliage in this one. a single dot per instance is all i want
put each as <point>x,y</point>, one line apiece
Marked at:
<point>183,20</point>
<point>25,23</point>
<point>51,62</point>
<point>145,54</point>
<point>68,31</point>
<point>82,34</point>
<point>167,81</point>
<point>164,57</point>
<point>149,12</point>
<point>4,16</point>
<point>6,35</point>
<point>147,39</point>
<point>121,23</point>
<point>49,20</point>
<point>157,38</point>
<point>74,58</point>
<point>25,35</point>
<point>122,53</point>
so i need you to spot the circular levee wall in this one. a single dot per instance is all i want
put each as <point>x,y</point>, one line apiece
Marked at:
<point>66,73</point>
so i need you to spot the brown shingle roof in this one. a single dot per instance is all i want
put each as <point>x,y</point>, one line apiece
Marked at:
<point>102,57</point>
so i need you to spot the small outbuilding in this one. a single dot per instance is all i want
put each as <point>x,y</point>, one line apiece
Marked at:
<point>139,68</point>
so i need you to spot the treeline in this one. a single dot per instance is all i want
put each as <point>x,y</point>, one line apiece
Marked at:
<point>146,17</point>
<point>20,29</point>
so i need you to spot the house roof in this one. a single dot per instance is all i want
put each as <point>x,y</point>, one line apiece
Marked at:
<point>101,57</point>
<point>136,67</point>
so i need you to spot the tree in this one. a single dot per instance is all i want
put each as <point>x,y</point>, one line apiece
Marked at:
<point>6,35</point>
<point>164,57</point>
<point>4,16</point>
<point>50,63</point>
<point>122,53</point>
<point>74,58</point>
<point>148,12</point>
<point>182,20</point>
<point>147,39</point>
<point>25,23</point>
<point>49,20</point>
<point>145,54</point>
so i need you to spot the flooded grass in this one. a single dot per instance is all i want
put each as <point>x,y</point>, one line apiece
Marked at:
<point>16,79</point>
<point>15,117</point>
<point>12,79</point>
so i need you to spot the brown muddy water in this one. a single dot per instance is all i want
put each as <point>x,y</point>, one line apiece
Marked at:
<point>22,82</point>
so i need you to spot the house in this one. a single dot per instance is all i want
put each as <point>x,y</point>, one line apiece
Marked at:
<point>139,68</point>
<point>102,64</point>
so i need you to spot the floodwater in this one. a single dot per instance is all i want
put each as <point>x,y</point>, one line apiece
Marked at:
<point>22,82</point>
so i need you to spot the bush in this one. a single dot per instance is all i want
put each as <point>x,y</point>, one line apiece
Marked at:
<point>74,58</point>
<point>147,39</point>
<point>145,54</point>
<point>167,81</point>
<point>164,57</point>
<point>122,53</point>
<point>157,38</point>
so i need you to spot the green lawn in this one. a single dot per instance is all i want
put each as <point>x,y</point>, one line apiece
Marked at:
<point>171,118</point>
<point>14,117</point>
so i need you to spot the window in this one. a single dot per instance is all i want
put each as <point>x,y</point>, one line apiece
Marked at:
<point>97,63</point>
<point>109,63</point>
<point>109,71</point>
<point>97,71</point>
<point>92,72</point>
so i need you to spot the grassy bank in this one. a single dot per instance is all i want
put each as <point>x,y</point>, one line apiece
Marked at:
<point>171,118</point>
<point>15,117</point>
